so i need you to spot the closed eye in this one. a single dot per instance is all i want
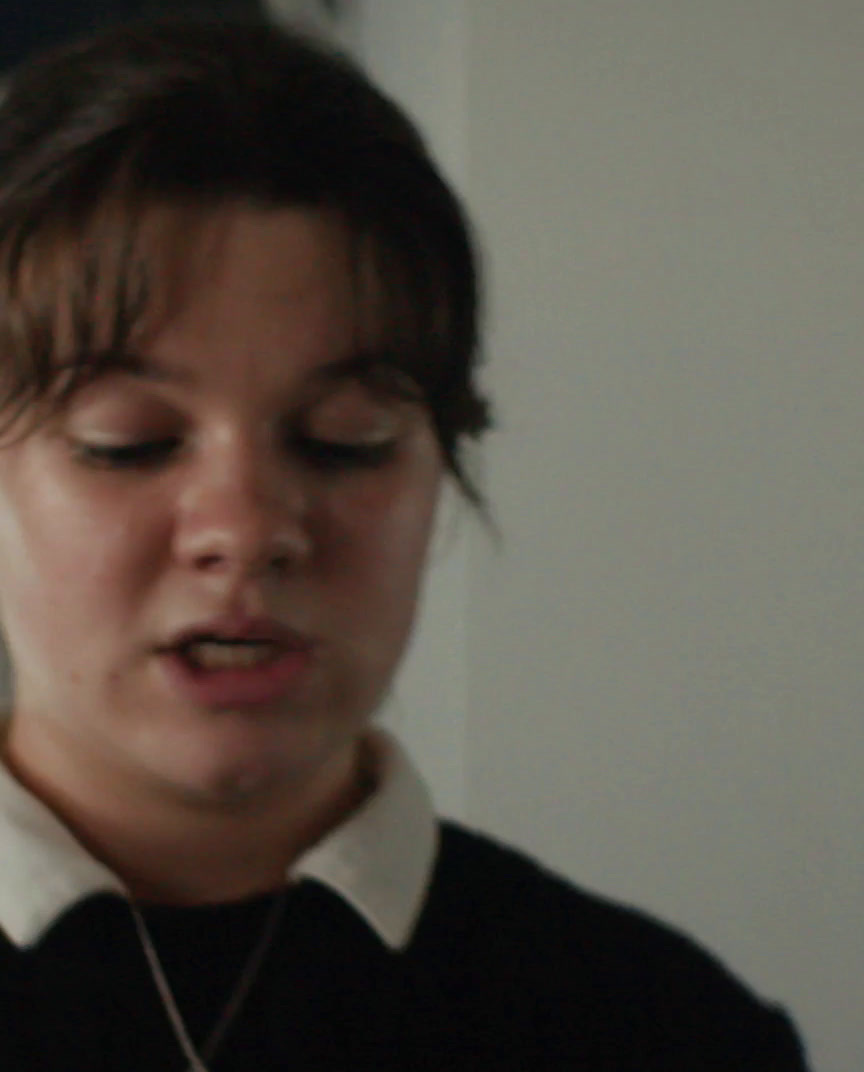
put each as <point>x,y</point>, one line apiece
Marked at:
<point>335,455</point>
<point>142,455</point>
<point>321,454</point>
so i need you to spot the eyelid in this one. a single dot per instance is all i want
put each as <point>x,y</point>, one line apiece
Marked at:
<point>374,438</point>
<point>129,454</point>
<point>347,420</point>
<point>335,455</point>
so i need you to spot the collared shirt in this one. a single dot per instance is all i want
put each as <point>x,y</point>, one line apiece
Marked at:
<point>379,859</point>
<point>512,967</point>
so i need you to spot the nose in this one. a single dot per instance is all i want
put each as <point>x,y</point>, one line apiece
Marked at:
<point>241,514</point>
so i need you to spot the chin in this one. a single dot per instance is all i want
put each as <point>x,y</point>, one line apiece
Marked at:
<point>224,782</point>
<point>237,760</point>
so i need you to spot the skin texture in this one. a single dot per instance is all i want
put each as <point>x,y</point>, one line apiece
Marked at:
<point>103,564</point>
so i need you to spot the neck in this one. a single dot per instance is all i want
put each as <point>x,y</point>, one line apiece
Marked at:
<point>177,849</point>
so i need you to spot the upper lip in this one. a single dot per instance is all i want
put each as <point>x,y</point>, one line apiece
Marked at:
<point>239,627</point>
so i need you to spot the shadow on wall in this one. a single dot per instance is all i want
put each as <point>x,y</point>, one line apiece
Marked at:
<point>5,679</point>
<point>28,27</point>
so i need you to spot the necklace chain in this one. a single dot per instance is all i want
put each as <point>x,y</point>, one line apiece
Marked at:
<point>199,1058</point>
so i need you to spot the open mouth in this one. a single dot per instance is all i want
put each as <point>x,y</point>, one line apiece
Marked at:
<point>219,653</point>
<point>236,662</point>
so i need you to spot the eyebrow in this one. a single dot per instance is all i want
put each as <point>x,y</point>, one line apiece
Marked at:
<point>143,368</point>
<point>355,366</point>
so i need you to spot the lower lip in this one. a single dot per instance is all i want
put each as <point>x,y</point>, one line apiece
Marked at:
<point>243,686</point>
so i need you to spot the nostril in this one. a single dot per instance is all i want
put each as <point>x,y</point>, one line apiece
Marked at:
<point>280,560</point>
<point>224,527</point>
<point>209,559</point>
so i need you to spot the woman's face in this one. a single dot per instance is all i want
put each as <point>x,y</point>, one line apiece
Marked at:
<point>209,560</point>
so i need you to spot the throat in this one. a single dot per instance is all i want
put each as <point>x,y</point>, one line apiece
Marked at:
<point>171,842</point>
<point>232,851</point>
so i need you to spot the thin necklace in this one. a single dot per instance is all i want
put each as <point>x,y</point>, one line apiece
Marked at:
<point>198,1059</point>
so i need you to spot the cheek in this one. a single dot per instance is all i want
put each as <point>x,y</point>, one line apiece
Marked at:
<point>73,554</point>
<point>370,591</point>
<point>377,556</point>
<point>387,524</point>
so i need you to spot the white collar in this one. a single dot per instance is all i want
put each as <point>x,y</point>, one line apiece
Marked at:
<point>379,860</point>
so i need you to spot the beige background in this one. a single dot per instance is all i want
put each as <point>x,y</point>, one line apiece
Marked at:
<point>656,683</point>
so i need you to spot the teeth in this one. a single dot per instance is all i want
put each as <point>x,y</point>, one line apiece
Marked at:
<point>230,655</point>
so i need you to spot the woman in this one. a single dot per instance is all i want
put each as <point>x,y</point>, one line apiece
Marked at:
<point>238,323</point>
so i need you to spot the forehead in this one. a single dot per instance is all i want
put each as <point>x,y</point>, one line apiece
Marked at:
<point>113,280</point>
<point>293,245</point>
<point>247,295</point>
<point>290,259</point>
<point>250,282</point>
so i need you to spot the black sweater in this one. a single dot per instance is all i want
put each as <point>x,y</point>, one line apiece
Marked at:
<point>509,968</point>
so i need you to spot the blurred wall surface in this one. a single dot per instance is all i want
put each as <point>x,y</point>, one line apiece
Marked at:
<point>663,671</point>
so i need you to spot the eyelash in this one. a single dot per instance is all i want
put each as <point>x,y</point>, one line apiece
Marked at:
<point>144,455</point>
<point>321,454</point>
<point>331,455</point>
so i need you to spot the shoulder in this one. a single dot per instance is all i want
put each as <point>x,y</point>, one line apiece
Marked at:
<point>498,907</point>
<point>491,879</point>
<point>494,887</point>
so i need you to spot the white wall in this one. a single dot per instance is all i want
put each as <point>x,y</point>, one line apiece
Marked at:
<point>665,661</point>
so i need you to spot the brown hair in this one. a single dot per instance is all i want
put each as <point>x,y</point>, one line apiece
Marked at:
<point>193,114</point>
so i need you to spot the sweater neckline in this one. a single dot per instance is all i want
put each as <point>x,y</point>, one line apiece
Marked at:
<point>379,860</point>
